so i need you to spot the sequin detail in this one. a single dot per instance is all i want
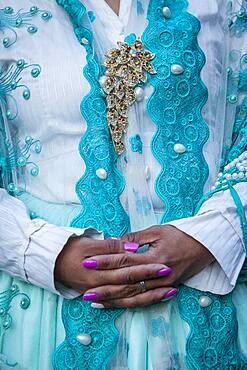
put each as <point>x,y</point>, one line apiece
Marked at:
<point>10,21</point>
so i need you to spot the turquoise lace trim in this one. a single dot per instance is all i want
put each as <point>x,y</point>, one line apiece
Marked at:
<point>181,96</point>
<point>184,172</point>
<point>213,339</point>
<point>101,209</point>
<point>9,21</point>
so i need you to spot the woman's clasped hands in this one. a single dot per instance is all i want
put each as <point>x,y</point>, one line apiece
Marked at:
<point>111,273</point>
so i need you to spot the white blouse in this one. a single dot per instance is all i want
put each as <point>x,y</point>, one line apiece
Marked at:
<point>29,248</point>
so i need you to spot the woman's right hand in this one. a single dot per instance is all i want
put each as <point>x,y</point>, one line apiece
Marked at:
<point>71,271</point>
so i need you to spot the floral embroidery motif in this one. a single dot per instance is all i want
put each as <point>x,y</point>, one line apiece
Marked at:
<point>5,303</point>
<point>237,20</point>
<point>136,144</point>
<point>126,67</point>
<point>16,161</point>
<point>10,79</point>
<point>9,20</point>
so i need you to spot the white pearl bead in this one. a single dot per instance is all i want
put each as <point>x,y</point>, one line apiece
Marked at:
<point>244,163</point>
<point>84,339</point>
<point>241,175</point>
<point>101,173</point>
<point>139,93</point>
<point>102,80</point>
<point>227,167</point>
<point>242,156</point>
<point>85,41</point>
<point>235,176</point>
<point>98,306</point>
<point>228,176</point>
<point>177,69</point>
<point>147,172</point>
<point>236,160</point>
<point>217,183</point>
<point>166,11</point>
<point>179,148</point>
<point>205,301</point>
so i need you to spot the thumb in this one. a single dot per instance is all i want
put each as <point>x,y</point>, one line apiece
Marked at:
<point>143,237</point>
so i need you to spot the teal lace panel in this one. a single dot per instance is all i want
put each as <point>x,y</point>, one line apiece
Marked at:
<point>80,318</point>
<point>213,339</point>
<point>98,190</point>
<point>10,21</point>
<point>175,107</point>
<point>177,145</point>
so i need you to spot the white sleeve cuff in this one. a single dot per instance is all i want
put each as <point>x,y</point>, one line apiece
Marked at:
<point>217,234</point>
<point>40,256</point>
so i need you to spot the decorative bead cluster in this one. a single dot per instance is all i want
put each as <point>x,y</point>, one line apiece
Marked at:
<point>9,20</point>
<point>10,80</point>
<point>6,299</point>
<point>19,158</point>
<point>233,171</point>
<point>237,20</point>
<point>126,67</point>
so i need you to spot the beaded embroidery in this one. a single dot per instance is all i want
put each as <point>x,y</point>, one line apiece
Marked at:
<point>16,157</point>
<point>17,160</point>
<point>10,79</point>
<point>237,20</point>
<point>9,20</point>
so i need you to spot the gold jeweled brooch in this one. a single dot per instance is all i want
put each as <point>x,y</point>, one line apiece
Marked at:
<point>126,67</point>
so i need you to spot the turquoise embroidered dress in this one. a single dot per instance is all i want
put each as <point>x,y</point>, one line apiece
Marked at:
<point>184,161</point>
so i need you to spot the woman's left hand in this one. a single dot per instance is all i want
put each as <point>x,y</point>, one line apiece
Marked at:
<point>167,245</point>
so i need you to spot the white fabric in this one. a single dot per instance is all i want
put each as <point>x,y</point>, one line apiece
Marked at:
<point>52,116</point>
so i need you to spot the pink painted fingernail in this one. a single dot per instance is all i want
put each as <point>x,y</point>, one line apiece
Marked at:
<point>89,296</point>
<point>171,293</point>
<point>114,238</point>
<point>131,247</point>
<point>90,264</point>
<point>165,272</point>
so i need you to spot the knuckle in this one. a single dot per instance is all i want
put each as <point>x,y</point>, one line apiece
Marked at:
<point>123,260</point>
<point>129,277</point>
<point>112,245</point>
<point>105,294</point>
<point>131,237</point>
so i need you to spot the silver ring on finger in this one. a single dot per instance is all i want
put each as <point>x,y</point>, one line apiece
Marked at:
<point>143,286</point>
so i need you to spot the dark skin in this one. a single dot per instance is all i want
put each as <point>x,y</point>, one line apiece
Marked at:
<point>115,280</point>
